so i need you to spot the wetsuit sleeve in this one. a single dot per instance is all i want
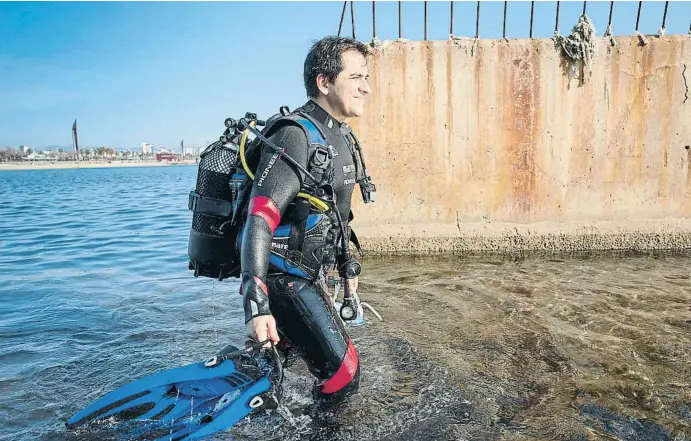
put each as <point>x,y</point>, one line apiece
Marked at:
<point>276,184</point>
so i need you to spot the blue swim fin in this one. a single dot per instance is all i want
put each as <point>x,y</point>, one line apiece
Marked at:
<point>195,401</point>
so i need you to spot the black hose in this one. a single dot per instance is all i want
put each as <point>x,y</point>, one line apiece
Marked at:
<point>344,241</point>
<point>360,155</point>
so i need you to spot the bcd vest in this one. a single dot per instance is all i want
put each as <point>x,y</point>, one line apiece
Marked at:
<point>306,239</point>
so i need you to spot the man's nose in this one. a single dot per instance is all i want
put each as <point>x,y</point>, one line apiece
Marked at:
<point>365,87</point>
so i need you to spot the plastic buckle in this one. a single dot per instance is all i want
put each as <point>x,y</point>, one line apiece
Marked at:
<point>192,202</point>
<point>369,191</point>
<point>321,157</point>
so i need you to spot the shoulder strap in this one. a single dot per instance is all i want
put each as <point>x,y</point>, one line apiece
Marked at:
<point>319,156</point>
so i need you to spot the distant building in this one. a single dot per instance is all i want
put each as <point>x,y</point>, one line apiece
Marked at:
<point>24,148</point>
<point>166,157</point>
<point>36,157</point>
<point>147,148</point>
<point>189,151</point>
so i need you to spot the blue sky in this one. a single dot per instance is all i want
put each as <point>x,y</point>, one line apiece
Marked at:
<point>158,72</point>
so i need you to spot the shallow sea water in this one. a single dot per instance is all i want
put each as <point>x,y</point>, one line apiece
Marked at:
<point>95,292</point>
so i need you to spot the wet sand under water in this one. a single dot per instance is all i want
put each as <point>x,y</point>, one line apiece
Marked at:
<point>591,347</point>
<point>498,348</point>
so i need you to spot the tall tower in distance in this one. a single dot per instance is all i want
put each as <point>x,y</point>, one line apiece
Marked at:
<point>75,141</point>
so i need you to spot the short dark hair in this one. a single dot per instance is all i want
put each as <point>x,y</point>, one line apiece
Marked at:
<point>324,57</point>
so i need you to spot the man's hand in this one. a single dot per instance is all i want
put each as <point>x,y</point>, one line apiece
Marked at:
<point>262,327</point>
<point>352,284</point>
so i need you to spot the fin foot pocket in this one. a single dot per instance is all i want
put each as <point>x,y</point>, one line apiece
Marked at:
<point>228,350</point>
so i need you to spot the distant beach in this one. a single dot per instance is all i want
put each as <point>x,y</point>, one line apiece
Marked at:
<point>52,165</point>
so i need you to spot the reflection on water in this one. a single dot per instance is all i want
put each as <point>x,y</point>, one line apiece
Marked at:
<point>478,347</point>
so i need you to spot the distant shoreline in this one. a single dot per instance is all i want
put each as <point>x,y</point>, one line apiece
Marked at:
<point>61,165</point>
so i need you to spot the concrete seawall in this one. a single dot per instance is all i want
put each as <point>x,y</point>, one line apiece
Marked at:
<point>492,145</point>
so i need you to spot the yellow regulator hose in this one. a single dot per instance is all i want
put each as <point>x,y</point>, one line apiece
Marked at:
<point>316,202</point>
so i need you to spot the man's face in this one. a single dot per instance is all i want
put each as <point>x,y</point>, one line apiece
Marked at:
<point>347,95</point>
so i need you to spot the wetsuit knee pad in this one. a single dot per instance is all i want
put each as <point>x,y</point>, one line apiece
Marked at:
<point>305,315</point>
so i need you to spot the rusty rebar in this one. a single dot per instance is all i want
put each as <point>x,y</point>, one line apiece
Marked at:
<point>451,24</point>
<point>532,10</point>
<point>400,33</point>
<point>352,18</point>
<point>664,16</point>
<point>611,8</point>
<point>340,25</point>
<point>477,21</point>
<point>425,21</point>
<point>556,24</point>
<point>638,17</point>
<point>374,22</point>
<point>503,34</point>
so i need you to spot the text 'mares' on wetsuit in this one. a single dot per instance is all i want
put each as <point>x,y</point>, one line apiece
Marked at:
<point>303,315</point>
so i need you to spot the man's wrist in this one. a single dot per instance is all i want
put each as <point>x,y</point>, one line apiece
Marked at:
<point>255,297</point>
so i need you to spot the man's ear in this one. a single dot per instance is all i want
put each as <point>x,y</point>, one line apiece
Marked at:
<point>323,84</point>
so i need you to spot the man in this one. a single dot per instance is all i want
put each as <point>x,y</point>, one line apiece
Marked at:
<point>336,82</point>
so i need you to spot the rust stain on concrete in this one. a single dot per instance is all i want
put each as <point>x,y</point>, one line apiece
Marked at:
<point>521,141</point>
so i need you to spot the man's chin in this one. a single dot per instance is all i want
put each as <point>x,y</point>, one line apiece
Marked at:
<point>356,113</point>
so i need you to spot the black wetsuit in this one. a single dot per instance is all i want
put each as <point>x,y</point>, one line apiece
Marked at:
<point>304,315</point>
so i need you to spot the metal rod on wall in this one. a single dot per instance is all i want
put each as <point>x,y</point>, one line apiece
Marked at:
<point>374,21</point>
<point>556,24</point>
<point>425,21</point>
<point>611,8</point>
<point>638,17</point>
<point>503,34</point>
<point>532,10</point>
<point>477,21</point>
<point>352,18</point>
<point>584,5</point>
<point>400,34</point>
<point>451,25</point>
<point>340,25</point>
<point>664,16</point>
